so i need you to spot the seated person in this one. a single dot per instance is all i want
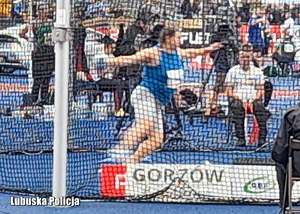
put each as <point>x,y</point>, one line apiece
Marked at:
<point>148,11</point>
<point>245,86</point>
<point>106,80</point>
<point>285,51</point>
<point>288,25</point>
<point>189,9</point>
<point>289,127</point>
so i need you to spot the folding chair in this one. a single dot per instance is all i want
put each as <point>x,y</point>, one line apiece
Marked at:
<point>293,145</point>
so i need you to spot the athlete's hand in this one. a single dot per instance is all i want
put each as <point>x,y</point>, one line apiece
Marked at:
<point>217,45</point>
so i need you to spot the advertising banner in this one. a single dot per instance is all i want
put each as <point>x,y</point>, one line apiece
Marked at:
<point>191,183</point>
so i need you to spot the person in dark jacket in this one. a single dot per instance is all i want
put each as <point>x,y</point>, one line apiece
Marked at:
<point>43,56</point>
<point>189,8</point>
<point>147,11</point>
<point>290,126</point>
<point>127,44</point>
<point>108,79</point>
<point>137,37</point>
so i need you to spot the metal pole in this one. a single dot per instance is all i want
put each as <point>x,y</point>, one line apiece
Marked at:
<point>60,36</point>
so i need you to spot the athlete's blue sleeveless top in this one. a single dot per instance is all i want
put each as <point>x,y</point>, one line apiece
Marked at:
<point>160,79</point>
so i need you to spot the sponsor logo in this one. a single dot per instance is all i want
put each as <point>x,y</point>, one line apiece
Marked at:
<point>259,185</point>
<point>168,175</point>
<point>113,180</point>
<point>194,38</point>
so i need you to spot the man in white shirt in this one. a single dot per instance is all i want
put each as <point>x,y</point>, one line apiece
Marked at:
<point>288,25</point>
<point>245,86</point>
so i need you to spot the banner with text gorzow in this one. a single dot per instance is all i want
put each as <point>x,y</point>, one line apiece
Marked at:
<point>190,183</point>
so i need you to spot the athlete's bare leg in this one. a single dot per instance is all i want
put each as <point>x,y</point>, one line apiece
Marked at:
<point>133,136</point>
<point>154,141</point>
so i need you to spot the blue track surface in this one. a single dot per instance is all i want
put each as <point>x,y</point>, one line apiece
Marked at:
<point>135,208</point>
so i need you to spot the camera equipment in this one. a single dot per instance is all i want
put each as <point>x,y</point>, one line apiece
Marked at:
<point>224,32</point>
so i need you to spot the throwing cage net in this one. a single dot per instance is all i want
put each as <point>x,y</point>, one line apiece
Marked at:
<point>159,127</point>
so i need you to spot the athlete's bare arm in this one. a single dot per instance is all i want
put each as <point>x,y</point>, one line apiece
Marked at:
<point>194,52</point>
<point>147,56</point>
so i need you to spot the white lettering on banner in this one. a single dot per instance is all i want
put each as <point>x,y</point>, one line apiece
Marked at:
<point>169,175</point>
<point>194,38</point>
<point>147,179</point>
<point>120,180</point>
<point>223,181</point>
<point>38,201</point>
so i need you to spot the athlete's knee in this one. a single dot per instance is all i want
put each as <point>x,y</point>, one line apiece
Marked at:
<point>147,124</point>
<point>157,139</point>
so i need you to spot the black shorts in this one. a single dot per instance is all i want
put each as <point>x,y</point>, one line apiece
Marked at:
<point>220,80</point>
<point>43,61</point>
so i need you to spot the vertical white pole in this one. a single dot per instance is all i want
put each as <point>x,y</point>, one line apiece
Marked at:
<point>61,102</point>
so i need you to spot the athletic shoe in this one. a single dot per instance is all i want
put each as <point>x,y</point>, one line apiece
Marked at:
<point>146,159</point>
<point>110,160</point>
<point>120,113</point>
<point>118,153</point>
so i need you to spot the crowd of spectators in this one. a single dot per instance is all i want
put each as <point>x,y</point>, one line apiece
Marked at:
<point>249,22</point>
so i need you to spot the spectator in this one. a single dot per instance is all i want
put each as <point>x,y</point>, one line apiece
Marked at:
<point>79,36</point>
<point>137,37</point>
<point>256,31</point>
<point>297,20</point>
<point>276,14</point>
<point>43,57</point>
<point>81,69</point>
<point>267,33</point>
<point>288,25</point>
<point>294,11</point>
<point>137,33</point>
<point>189,9</point>
<point>108,81</point>
<point>245,11</point>
<point>147,12</point>
<point>285,51</point>
<point>245,86</point>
